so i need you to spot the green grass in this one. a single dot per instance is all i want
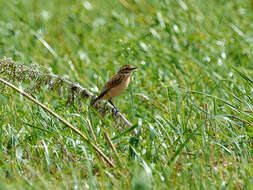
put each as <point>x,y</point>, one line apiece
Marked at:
<point>191,98</point>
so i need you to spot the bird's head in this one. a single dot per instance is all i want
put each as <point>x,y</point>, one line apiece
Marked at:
<point>127,69</point>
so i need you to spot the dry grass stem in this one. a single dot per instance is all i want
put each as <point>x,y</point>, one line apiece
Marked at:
<point>59,118</point>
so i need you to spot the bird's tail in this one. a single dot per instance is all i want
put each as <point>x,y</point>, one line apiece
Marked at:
<point>99,97</point>
<point>94,100</point>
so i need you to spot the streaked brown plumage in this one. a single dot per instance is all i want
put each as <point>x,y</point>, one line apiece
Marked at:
<point>116,85</point>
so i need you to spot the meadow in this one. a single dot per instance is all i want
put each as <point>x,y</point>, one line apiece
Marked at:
<point>190,101</point>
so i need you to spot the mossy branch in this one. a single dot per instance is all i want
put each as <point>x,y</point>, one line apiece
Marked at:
<point>39,77</point>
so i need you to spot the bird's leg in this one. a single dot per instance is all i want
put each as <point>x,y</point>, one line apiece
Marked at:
<point>115,108</point>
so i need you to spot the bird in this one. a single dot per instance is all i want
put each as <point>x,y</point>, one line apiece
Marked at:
<point>116,85</point>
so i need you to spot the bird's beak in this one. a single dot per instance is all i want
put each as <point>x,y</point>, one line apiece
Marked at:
<point>134,68</point>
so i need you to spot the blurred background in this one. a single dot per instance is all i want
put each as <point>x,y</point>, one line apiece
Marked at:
<point>194,59</point>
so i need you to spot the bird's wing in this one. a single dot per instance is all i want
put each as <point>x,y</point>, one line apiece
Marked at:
<point>114,81</point>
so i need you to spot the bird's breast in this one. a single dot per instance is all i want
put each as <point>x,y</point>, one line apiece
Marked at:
<point>117,90</point>
<point>125,82</point>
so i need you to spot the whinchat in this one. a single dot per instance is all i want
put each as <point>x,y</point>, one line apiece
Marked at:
<point>116,85</point>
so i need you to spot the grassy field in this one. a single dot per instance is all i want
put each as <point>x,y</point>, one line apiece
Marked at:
<point>191,98</point>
